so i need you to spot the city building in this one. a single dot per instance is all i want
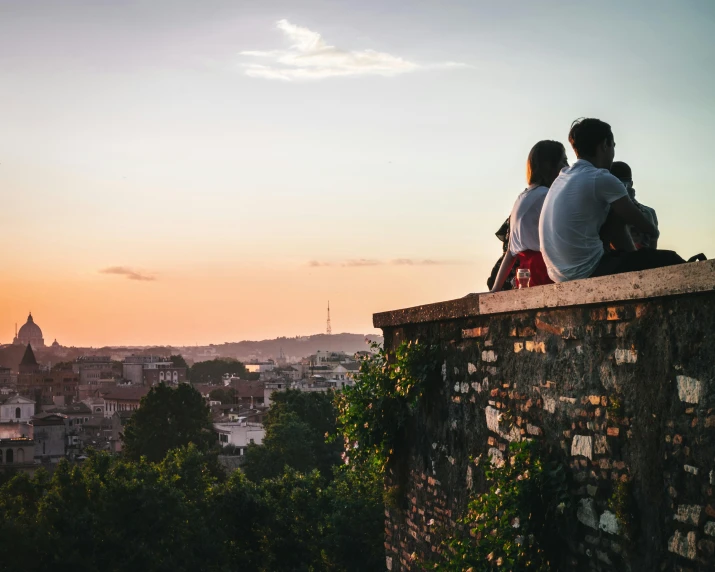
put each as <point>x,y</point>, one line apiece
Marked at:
<point>7,379</point>
<point>93,369</point>
<point>16,409</point>
<point>17,453</point>
<point>151,370</point>
<point>43,386</point>
<point>240,434</point>
<point>249,394</point>
<point>96,405</point>
<point>30,333</point>
<point>50,435</point>
<point>97,374</point>
<point>125,398</point>
<point>260,366</point>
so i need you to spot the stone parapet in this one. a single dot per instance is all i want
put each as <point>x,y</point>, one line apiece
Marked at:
<point>616,373</point>
<point>670,281</point>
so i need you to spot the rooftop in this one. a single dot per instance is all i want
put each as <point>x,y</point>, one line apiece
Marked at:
<point>127,393</point>
<point>676,280</point>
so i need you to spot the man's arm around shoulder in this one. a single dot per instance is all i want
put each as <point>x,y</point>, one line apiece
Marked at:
<point>612,190</point>
<point>631,214</point>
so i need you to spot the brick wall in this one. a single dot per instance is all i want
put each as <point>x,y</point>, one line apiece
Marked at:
<point>625,390</point>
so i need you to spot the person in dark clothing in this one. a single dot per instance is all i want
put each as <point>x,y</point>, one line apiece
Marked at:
<point>623,172</point>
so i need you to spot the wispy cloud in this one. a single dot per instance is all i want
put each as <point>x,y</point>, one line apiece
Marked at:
<point>363,262</point>
<point>129,273</point>
<point>310,57</point>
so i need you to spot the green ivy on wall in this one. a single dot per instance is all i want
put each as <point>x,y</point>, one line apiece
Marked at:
<point>506,527</point>
<point>374,414</point>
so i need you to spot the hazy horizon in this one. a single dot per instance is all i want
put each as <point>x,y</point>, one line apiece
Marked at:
<point>180,172</point>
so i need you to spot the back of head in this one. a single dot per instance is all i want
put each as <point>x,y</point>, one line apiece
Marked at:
<point>587,134</point>
<point>543,158</point>
<point>622,171</point>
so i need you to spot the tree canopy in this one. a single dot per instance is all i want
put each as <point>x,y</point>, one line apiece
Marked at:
<point>226,395</point>
<point>111,513</point>
<point>297,427</point>
<point>179,361</point>
<point>212,371</point>
<point>167,419</point>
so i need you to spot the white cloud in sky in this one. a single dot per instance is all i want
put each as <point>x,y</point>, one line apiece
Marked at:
<point>310,57</point>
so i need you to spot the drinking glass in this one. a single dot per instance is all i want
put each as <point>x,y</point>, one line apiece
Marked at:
<point>523,277</point>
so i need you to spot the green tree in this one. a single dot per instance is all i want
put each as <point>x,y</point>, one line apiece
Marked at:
<point>226,395</point>
<point>296,508</point>
<point>212,371</point>
<point>355,511</point>
<point>289,442</point>
<point>241,522</point>
<point>298,426</point>
<point>167,419</point>
<point>179,361</point>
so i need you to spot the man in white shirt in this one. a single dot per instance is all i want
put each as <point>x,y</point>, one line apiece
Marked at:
<point>588,211</point>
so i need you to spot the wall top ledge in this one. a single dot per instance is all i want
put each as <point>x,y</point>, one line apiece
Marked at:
<point>670,281</point>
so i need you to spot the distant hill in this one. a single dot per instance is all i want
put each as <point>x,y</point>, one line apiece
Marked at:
<point>300,346</point>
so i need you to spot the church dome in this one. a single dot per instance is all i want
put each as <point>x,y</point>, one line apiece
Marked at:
<point>30,333</point>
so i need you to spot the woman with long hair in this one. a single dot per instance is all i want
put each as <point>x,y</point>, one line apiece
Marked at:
<point>545,161</point>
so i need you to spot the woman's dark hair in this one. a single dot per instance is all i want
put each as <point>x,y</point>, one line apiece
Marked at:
<point>587,134</point>
<point>543,157</point>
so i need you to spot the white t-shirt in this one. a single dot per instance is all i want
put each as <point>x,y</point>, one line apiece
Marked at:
<point>572,216</point>
<point>524,220</point>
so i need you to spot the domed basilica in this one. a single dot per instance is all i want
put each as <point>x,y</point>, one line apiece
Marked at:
<point>30,333</point>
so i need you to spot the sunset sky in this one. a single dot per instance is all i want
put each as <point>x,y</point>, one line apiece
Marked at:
<point>179,172</point>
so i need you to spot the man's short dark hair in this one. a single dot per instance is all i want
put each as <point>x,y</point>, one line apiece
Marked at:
<point>622,171</point>
<point>587,134</point>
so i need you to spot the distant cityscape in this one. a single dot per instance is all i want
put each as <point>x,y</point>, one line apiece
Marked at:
<point>57,401</point>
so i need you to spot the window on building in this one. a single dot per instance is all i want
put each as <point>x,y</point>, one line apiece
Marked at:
<point>0,455</point>
<point>9,456</point>
<point>18,413</point>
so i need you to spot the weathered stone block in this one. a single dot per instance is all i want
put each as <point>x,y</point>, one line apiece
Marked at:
<point>537,347</point>
<point>586,513</point>
<point>683,544</point>
<point>689,389</point>
<point>492,415</point>
<point>690,469</point>
<point>625,356</point>
<point>609,523</point>
<point>582,445</point>
<point>489,356</point>
<point>475,332</point>
<point>600,446</point>
<point>688,514</point>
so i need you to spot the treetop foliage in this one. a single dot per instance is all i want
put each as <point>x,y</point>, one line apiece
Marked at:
<point>167,419</point>
<point>212,371</point>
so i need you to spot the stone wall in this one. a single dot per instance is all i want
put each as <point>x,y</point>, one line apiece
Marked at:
<point>624,388</point>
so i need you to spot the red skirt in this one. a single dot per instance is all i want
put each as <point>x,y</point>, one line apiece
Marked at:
<point>533,260</point>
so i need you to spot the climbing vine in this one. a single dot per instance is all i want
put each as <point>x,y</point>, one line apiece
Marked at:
<point>505,528</point>
<point>374,414</point>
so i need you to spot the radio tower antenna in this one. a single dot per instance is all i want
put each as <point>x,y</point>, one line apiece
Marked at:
<point>328,329</point>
